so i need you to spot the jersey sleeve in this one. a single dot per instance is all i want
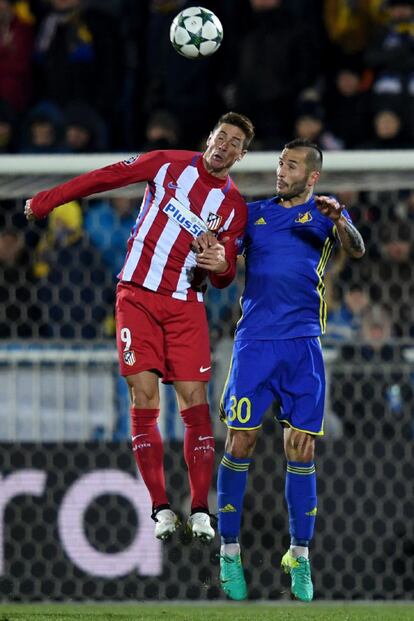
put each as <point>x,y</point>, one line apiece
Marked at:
<point>140,168</point>
<point>235,234</point>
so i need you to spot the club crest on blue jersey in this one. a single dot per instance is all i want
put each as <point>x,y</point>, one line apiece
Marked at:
<point>129,358</point>
<point>213,221</point>
<point>304,217</point>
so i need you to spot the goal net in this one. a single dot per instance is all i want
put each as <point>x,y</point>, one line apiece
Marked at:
<point>64,411</point>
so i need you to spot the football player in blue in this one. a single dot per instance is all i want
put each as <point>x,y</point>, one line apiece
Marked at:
<point>277,354</point>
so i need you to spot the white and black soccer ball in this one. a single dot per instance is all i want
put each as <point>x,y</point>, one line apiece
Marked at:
<point>196,32</point>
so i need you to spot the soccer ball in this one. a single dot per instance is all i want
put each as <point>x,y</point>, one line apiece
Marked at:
<point>196,32</point>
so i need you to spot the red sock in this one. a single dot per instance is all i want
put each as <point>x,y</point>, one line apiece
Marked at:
<point>149,452</point>
<point>198,453</point>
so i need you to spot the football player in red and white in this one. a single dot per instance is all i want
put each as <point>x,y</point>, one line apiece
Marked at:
<point>161,321</point>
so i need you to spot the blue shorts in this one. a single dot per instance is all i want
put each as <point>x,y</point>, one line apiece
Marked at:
<point>290,371</point>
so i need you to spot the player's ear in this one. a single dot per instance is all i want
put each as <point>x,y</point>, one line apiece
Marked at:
<point>242,154</point>
<point>209,139</point>
<point>314,177</point>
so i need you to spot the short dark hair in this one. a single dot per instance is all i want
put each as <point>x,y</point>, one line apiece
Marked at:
<point>314,158</point>
<point>241,121</point>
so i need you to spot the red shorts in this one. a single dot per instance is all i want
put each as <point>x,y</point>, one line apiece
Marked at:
<point>157,332</point>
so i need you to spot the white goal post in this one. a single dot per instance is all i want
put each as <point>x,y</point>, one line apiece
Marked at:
<point>23,175</point>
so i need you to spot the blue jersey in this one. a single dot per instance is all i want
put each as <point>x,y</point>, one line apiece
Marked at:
<point>287,250</point>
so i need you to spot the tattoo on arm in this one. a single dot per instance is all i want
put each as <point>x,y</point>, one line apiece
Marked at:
<point>353,239</point>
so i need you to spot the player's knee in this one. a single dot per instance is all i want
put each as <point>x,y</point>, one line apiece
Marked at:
<point>190,394</point>
<point>143,396</point>
<point>299,446</point>
<point>240,443</point>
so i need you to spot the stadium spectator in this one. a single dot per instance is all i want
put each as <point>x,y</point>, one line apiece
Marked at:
<point>16,48</point>
<point>162,131</point>
<point>109,224</point>
<point>391,274</point>
<point>390,55</point>
<point>376,326</point>
<point>42,130</point>
<point>347,107</point>
<point>278,58</point>
<point>85,131</point>
<point>386,396</point>
<point>18,310</point>
<point>349,24</point>
<point>310,125</point>
<point>345,322</point>
<point>161,323</point>
<point>77,57</point>
<point>73,287</point>
<point>388,132</point>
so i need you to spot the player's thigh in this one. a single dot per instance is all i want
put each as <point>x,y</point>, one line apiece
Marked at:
<point>302,388</point>
<point>187,342</point>
<point>139,337</point>
<point>246,396</point>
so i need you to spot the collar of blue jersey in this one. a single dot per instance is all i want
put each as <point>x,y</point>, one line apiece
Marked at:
<point>309,203</point>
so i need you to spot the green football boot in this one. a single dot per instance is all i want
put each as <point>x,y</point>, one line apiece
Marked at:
<point>232,577</point>
<point>300,574</point>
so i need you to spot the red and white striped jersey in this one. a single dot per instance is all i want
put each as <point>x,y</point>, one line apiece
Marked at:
<point>181,200</point>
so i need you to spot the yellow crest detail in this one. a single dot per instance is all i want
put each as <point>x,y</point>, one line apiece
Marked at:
<point>305,217</point>
<point>261,221</point>
<point>313,512</point>
<point>228,509</point>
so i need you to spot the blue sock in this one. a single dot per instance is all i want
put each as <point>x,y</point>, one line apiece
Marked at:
<point>231,485</point>
<point>300,493</point>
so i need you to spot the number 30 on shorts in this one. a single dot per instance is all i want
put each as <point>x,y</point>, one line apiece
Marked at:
<point>240,409</point>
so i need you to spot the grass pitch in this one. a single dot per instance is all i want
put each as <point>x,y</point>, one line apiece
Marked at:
<point>205,611</point>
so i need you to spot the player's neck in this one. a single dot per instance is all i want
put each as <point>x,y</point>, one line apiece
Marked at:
<point>293,201</point>
<point>219,173</point>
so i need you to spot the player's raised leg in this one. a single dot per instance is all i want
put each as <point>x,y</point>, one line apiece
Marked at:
<point>199,450</point>
<point>300,492</point>
<point>243,404</point>
<point>141,350</point>
<point>148,449</point>
<point>231,486</point>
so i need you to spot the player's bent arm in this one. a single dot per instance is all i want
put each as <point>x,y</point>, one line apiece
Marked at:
<point>351,239</point>
<point>225,275</point>
<point>231,239</point>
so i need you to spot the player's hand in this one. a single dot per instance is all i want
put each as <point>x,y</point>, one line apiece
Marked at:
<point>28,211</point>
<point>213,258</point>
<point>329,207</point>
<point>204,241</point>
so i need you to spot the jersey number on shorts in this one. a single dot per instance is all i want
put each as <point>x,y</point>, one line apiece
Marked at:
<point>126,338</point>
<point>240,409</point>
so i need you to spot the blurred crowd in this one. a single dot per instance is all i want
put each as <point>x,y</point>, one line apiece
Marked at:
<point>79,76</point>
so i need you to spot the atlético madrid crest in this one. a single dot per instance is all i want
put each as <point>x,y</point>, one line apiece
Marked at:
<point>129,357</point>
<point>213,221</point>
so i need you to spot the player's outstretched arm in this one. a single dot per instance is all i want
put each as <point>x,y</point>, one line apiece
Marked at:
<point>351,240</point>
